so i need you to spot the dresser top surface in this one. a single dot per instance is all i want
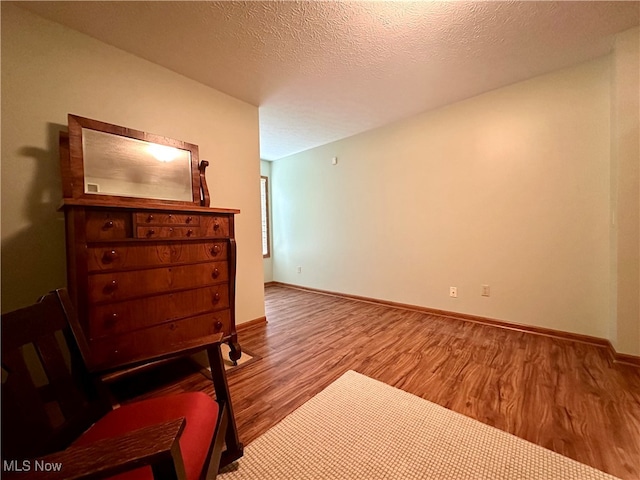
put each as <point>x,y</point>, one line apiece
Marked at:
<point>74,202</point>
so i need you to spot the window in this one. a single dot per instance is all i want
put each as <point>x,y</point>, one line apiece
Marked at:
<point>264,203</point>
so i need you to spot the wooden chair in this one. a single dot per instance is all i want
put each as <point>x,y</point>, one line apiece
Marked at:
<point>57,419</point>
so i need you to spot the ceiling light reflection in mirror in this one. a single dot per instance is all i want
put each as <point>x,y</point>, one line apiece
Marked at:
<point>122,166</point>
<point>162,153</point>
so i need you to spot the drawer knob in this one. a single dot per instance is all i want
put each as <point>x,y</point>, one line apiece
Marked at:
<point>108,224</point>
<point>151,232</point>
<point>218,326</point>
<point>110,320</point>
<point>215,273</point>
<point>189,219</point>
<point>215,250</point>
<point>111,287</point>
<point>149,218</point>
<point>110,256</point>
<point>189,232</point>
<point>216,226</point>
<point>216,297</point>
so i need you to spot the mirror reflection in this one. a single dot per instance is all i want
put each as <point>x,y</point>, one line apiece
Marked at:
<point>121,166</point>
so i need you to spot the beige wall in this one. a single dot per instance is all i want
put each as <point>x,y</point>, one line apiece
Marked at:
<point>509,189</point>
<point>49,71</point>
<point>625,194</point>
<point>265,171</point>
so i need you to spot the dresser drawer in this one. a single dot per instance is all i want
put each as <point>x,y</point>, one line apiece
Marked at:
<point>157,339</point>
<point>163,231</point>
<point>146,218</point>
<point>147,254</point>
<point>101,225</point>
<point>115,286</point>
<point>214,226</point>
<point>131,315</point>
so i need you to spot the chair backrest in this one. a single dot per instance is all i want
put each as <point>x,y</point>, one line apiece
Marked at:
<point>48,397</point>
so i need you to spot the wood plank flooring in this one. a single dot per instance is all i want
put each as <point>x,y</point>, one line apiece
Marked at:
<point>565,396</point>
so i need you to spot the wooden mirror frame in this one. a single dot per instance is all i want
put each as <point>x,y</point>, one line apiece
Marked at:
<point>73,171</point>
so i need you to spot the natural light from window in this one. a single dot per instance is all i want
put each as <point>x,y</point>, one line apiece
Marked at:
<point>264,203</point>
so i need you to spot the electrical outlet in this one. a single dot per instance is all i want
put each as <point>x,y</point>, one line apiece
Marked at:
<point>486,291</point>
<point>299,269</point>
<point>453,292</point>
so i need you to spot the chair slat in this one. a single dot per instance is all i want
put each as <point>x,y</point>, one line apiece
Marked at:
<point>22,326</point>
<point>67,394</point>
<point>23,411</point>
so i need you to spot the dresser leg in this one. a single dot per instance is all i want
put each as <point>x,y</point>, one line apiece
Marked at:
<point>235,351</point>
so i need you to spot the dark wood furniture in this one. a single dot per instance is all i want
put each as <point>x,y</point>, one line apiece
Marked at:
<point>49,400</point>
<point>144,273</point>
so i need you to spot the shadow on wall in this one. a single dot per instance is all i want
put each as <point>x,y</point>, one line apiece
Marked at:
<point>34,259</point>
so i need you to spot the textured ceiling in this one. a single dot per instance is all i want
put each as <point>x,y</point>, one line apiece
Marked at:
<point>321,71</point>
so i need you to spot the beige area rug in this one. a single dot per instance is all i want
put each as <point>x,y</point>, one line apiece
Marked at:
<point>246,359</point>
<point>360,428</point>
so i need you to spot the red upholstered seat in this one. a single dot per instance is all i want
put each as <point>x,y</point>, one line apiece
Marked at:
<point>199,409</point>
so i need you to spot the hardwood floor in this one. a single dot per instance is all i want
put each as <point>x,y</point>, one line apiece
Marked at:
<point>565,396</point>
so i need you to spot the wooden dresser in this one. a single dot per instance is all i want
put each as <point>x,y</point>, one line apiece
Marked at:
<point>145,278</point>
<point>144,273</point>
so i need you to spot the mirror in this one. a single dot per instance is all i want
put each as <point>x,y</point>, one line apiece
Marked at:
<point>115,165</point>
<point>106,161</point>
